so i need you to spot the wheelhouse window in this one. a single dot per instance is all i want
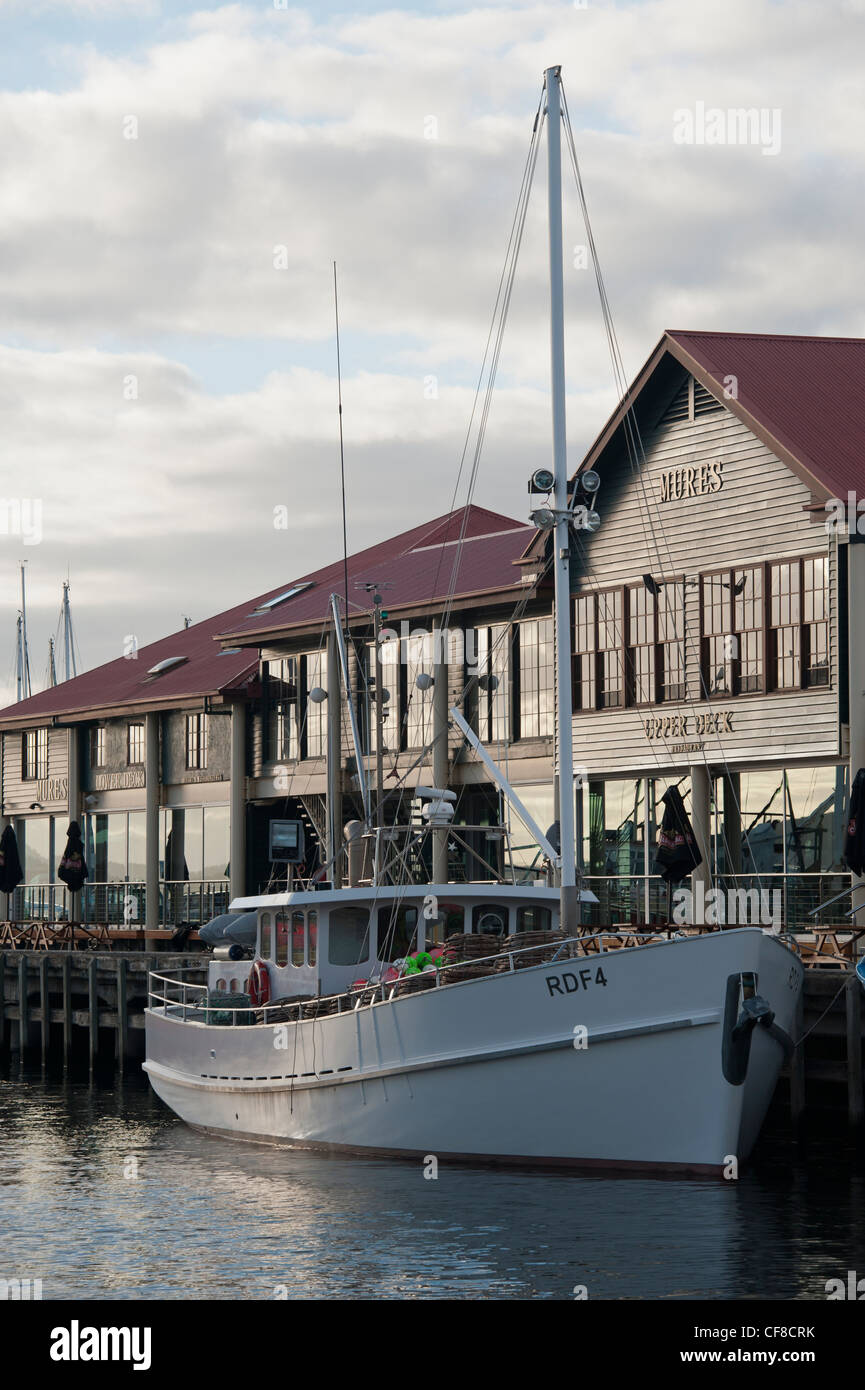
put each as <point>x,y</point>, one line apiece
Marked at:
<point>493,646</point>
<point>196,741</point>
<point>34,754</point>
<point>536,678</point>
<point>135,745</point>
<point>282,938</point>
<point>298,932</point>
<point>266,936</point>
<point>397,932</point>
<point>348,936</point>
<point>315,715</point>
<point>97,746</point>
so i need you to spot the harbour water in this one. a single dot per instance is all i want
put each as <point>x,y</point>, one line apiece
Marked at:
<point>104,1194</point>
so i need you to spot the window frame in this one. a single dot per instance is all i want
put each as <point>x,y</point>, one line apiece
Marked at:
<point>130,761</point>
<point>39,762</point>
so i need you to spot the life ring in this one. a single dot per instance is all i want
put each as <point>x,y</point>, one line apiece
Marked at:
<point>258,985</point>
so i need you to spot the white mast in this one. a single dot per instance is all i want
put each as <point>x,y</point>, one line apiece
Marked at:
<point>69,666</point>
<point>561,534</point>
<point>52,665</point>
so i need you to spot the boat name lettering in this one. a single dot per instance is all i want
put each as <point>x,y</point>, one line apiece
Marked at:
<point>570,982</point>
<point>687,725</point>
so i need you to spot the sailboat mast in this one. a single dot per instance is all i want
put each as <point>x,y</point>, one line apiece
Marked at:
<point>26,690</point>
<point>561,534</point>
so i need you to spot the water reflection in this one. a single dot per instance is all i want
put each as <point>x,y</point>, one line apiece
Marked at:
<point>207,1218</point>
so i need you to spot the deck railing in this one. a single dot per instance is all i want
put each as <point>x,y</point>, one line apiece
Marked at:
<point>180,1005</point>
<point>191,901</point>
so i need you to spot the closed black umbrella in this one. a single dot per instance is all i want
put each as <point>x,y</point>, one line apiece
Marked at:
<point>854,840</point>
<point>73,869</point>
<point>11,872</point>
<point>677,853</point>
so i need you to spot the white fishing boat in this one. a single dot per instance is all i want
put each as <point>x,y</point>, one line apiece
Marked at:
<point>480,1020</point>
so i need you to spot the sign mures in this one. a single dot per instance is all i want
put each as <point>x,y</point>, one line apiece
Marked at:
<point>52,788</point>
<point>689,725</point>
<point>692,480</point>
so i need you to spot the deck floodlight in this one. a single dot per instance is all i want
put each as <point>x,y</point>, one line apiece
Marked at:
<point>585,519</point>
<point>589,481</point>
<point>543,518</point>
<point>542,480</point>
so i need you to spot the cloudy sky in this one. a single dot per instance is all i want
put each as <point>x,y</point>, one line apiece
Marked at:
<point>177,180</point>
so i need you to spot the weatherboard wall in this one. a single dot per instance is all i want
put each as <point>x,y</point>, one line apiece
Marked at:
<point>757,515</point>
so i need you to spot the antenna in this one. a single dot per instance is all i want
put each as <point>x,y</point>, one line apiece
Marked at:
<point>23,665</point>
<point>341,445</point>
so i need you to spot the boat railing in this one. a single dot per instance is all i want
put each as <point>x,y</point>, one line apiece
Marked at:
<point>192,1002</point>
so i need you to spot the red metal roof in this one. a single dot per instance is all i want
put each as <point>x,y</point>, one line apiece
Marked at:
<point>805,394</point>
<point>418,564</point>
<point>420,567</point>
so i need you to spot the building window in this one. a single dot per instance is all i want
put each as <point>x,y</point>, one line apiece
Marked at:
<point>196,741</point>
<point>390,682</point>
<point>733,631</point>
<point>282,725</point>
<point>537,681</point>
<point>315,715</point>
<point>418,708</point>
<point>785,626</point>
<point>640,653</point>
<point>671,639</point>
<point>493,685</point>
<point>585,648</point>
<point>135,745</point>
<point>97,746</point>
<point>611,684</point>
<point>34,755</point>
<point>815,615</point>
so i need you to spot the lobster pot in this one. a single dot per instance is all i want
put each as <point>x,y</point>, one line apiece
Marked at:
<point>220,1005</point>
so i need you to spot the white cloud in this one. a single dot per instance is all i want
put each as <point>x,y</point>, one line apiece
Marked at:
<point>260,128</point>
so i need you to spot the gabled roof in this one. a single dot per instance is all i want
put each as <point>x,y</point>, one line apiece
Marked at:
<point>804,397</point>
<point>418,567</point>
<point>200,670</point>
<point>418,570</point>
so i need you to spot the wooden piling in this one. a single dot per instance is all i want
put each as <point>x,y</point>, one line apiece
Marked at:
<point>92,1008</point>
<point>22,1002</point>
<point>44,1004</point>
<point>855,1099</point>
<point>67,1007</point>
<point>2,998</point>
<point>797,1064</point>
<point>122,1019</point>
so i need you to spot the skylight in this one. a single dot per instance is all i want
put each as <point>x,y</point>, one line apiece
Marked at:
<point>166,665</point>
<point>270,603</point>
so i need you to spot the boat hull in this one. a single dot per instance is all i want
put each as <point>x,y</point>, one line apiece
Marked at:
<point>612,1060</point>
